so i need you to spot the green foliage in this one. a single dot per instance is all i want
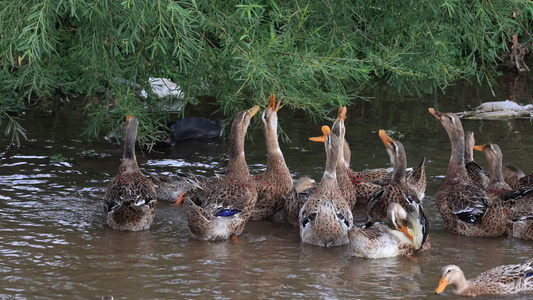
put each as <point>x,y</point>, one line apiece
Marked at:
<point>315,55</point>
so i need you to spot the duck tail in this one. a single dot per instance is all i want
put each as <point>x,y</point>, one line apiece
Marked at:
<point>417,223</point>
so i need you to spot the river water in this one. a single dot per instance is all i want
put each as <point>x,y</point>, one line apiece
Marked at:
<point>54,242</point>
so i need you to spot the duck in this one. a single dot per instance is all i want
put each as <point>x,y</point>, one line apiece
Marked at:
<point>515,177</point>
<point>521,228</point>
<point>344,173</point>
<point>404,233</point>
<point>325,218</point>
<point>416,179</point>
<point>501,280</point>
<point>169,188</point>
<point>397,190</point>
<point>130,199</point>
<point>369,180</point>
<point>518,203</point>
<point>478,175</point>
<point>520,199</point>
<point>512,174</point>
<point>276,180</point>
<point>496,185</point>
<point>222,208</point>
<point>463,205</point>
<point>354,185</point>
<point>358,186</point>
<point>302,189</point>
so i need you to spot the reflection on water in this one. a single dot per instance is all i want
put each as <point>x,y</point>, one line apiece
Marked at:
<point>54,241</point>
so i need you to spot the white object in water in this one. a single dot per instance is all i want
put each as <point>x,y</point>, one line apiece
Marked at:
<point>502,106</point>
<point>163,87</point>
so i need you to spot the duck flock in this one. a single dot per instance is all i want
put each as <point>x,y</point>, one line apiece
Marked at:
<point>473,201</point>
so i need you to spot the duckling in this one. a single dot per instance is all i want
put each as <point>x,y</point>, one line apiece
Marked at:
<point>130,199</point>
<point>221,209</point>
<point>464,206</point>
<point>325,217</point>
<point>507,279</point>
<point>276,181</point>
<point>404,233</point>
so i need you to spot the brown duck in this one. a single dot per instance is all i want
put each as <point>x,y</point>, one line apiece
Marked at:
<point>463,205</point>
<point>512,174</point>
<point>130,199</point>
<point>325,217</point>
<point>397,190</point>
<point>221,209</point>
<point>518,203</point>
<point>508,279</point>
<point>370,180</point>
<point>302,189</point>
<point>276,181</point>
<point>478,175</point>
<point>344,173</point>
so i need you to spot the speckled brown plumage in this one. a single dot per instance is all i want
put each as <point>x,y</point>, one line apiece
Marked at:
<point>326,218</point>
<point>276,181</point>
<point>368,181</point>
<point>478,175</point>
<point>351,190</point>
<point>397,190</point>
<point>416,179</point>
<point>521,228</point>
<point>525,181</point>
<point>168,188</point>
<point>301,191</point>
<point>464,206</point>
<point>507,279</point>
<point>222,208</point>
<point>130,199</point>
<point>518,204</point>
<point>512,174</point>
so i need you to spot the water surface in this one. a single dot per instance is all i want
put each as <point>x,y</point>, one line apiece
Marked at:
<point>54,242</point>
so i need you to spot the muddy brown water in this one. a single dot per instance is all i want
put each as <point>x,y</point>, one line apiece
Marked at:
<point>54,242</point>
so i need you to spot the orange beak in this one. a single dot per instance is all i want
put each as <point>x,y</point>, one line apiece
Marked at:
<point>435,113</point>
<point>442,284</point>
<point>479,147</point>
<point>272,103</point>
<point>404,230</point>
<point>180,200</point>
<point>252,111</point>
<point>341,114</point>
<point>321,139</point>
<point>384,137</point>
